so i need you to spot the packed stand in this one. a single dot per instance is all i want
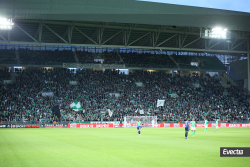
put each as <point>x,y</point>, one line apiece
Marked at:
<point>23,100</point>
<point>45,57</point>
<point>185,61</point>
<point>4,75</point>
<point>85,57</point>
<point>210,62</point>
<point>8,56</point>
<point>107,57</point>
<point>147,60</point>
<point>111,58</point>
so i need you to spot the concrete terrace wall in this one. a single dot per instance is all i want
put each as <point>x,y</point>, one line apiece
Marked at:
<point>238,70</point>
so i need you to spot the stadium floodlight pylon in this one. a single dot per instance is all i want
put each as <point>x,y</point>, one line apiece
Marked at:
<point>148,121</point>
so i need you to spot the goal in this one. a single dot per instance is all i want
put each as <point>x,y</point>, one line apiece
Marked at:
<point>148,121</point>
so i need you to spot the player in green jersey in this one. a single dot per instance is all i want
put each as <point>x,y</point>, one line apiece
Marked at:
<point>206,125</point>
<point>138,122</point>
<point>217,126</point>
<point>193,127</point>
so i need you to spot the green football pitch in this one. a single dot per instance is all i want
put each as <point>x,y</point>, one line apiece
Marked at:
<point>120,147</point>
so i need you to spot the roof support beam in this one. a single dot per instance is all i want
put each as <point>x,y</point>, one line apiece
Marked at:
<point>139,38</point>
<point>155,37</point>
<point>191,42</point>
<point>166,40</point>
<point>37,31</point>
<point>83,24</point>
<point>3,38</point>
<point>55,33</point>
<point>137,47</point>
<point>234,43</point>
<point>100,34</point>
<point>206,46</point>
<point>40,31</point>
<point>127,34</point>
<point>238,45</point>
<point>25,32</point>
<point>8,36</point>
<point>70,32</point>
<point>112,37</point>
<point>66,32</point>
<point>179,40</point>
<point>184,40</point>
<point>215,44</point>
<point>85,35</point>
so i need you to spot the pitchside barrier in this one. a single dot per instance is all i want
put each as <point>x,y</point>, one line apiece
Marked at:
<point>113,125</point>
<point>34,126</point>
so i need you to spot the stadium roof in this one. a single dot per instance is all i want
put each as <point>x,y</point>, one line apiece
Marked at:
<point>122,24</point>
<point>125,11</point>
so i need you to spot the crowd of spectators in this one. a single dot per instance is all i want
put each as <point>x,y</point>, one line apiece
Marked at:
<point>23,100</point>
<point>147,59</point>
<point>4,74</point>
<point>111,58</point>
<point>132,59</point>
<point>8,56</point>
<point>45,57</point>
<point>106,57</point>
<point>85,57</point>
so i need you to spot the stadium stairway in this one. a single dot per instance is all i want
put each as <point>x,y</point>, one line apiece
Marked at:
<point>224,82</point>
<point>226,78</point>
<point>174,61</point>
<point>76,58</point>
<point>17,57</point>
<point>198,62</point>
<point>121,60</point>
<point>13,76</point>
<point>234,101</point>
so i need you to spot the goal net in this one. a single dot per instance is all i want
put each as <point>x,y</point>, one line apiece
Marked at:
<point>148,121</point>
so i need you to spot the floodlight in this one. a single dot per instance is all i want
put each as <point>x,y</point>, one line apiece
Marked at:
<point>6,24</point>
<point>218,32</point>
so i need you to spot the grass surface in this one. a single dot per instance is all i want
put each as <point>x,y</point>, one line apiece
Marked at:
<point>120,147</point>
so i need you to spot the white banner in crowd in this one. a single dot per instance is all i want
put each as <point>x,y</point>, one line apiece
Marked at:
<point>76,106</point>
<point>110,112</point>
<point>6,81</point>
<point>73,82</point>
<point>140,84</point>
<point>47,94</point>
<point>141,111</point>
<point>160,103</point>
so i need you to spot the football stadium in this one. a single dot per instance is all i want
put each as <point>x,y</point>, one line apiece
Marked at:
<point>124,83</point>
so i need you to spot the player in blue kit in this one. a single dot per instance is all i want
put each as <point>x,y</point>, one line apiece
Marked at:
<point>186,128</point>
<point>139,126</point>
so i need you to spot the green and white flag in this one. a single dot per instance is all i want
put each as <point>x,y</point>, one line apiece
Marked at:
<point>76,106</point>
<point>141,111</point>
<point>110,112</point>
<point>160,102</point>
